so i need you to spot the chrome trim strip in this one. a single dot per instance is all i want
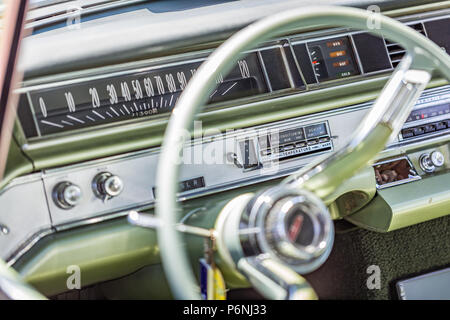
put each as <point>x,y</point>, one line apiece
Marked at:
<point>53,17</point>
<point>263,67</point>
<point>25,247</point>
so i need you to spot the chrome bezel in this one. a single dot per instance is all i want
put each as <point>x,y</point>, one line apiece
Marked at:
<point>282,211</point>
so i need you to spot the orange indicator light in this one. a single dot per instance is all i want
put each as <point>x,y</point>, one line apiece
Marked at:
<point>339,53</point>
<point>341,63</point>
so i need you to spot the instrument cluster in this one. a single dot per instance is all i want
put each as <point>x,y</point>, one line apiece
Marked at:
<point>283,66</point>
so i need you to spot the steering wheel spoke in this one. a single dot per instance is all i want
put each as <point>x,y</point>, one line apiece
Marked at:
<point>275,280</point>
<point>382,123</point>
<point>149,221</point>
<point>13,287</point>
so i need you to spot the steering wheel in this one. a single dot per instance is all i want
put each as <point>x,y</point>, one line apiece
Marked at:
<point>321,177</point>
<point>385,119</point>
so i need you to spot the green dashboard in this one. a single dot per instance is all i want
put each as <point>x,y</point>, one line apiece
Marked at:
<point>121,260</point>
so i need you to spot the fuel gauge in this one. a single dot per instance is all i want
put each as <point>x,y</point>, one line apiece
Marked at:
<point>318,62</point>
<point>333,59</point>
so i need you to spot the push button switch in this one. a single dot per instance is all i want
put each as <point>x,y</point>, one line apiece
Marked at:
<point>418,131</point>
<point>441,126</point>
<point>408,133</point>
<point>429,128</point>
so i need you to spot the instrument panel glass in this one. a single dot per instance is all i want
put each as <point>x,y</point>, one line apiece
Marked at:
<point>333,59</point>
<point>138,95</point>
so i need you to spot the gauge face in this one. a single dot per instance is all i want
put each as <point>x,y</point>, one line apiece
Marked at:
<point>332,59</point>
<point>139,95</point>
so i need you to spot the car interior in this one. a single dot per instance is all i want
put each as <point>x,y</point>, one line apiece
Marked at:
<point>224,149</point>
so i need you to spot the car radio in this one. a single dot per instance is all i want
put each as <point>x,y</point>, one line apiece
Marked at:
<point>284,143</point>
<point>294,142</point>
<point>431,116</point>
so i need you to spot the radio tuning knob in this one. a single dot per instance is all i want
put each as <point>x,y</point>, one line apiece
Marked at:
<point>66,195</point>
<point>106,185</point>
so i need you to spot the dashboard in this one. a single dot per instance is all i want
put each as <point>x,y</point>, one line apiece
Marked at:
<point>289,65</point>
<point>93,135</point>
<point>286,66</point>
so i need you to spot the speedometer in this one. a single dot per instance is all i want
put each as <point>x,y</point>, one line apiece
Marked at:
<point>145,93</point>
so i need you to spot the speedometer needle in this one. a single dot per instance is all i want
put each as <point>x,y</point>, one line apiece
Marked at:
<point>231,87</point>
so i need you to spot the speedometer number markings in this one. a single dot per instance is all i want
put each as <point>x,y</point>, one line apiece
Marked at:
<point>148,93</point>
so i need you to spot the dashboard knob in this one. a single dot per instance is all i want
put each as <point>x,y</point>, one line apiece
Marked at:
<point>66,195</point>
<point>106,185</point>
<point>437,158</point>
<point>430,161</point>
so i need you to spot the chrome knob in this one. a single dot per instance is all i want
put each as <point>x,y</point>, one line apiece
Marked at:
<point>106,185</point>
<point>437,158</point>
<point>430,161</point>
<point>66,195</point>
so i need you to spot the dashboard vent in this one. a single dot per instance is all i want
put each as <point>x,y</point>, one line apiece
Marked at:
<point>395,51</point>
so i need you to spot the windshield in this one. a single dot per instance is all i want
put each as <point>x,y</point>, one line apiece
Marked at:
<point>45,3</point>
<point>42,3</point>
